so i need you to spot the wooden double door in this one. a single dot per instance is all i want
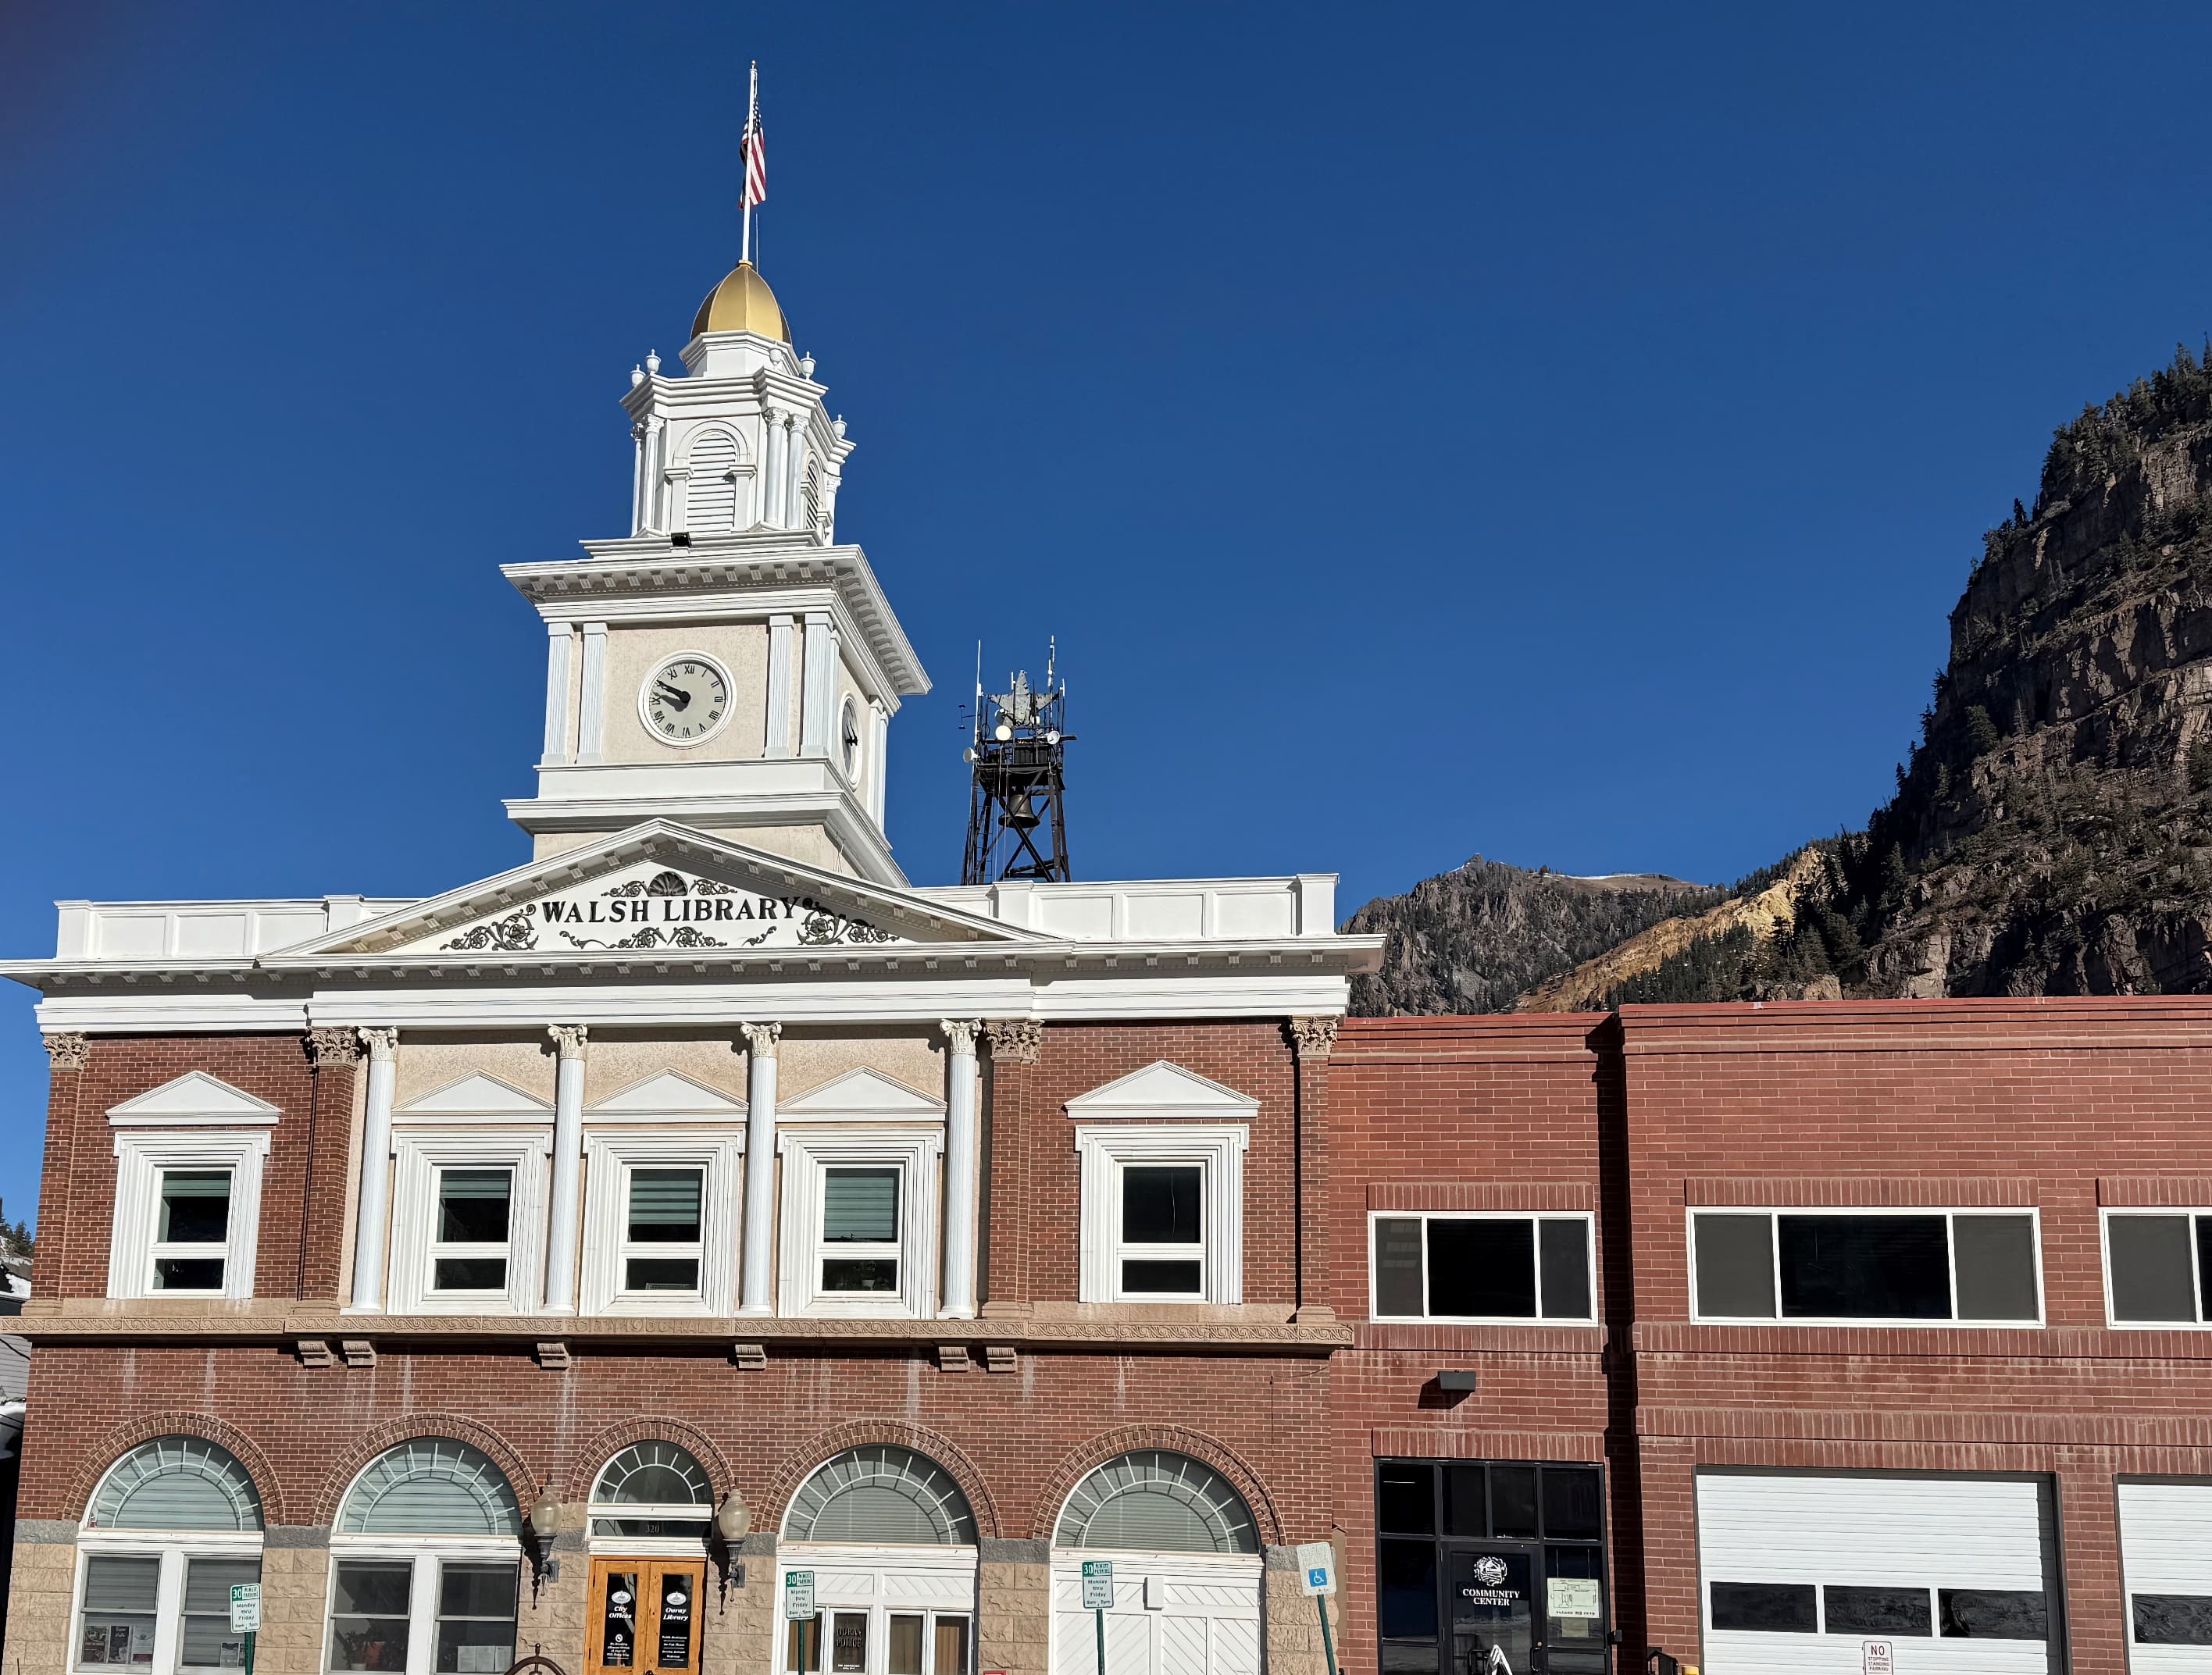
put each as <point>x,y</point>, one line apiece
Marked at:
<point>645,1616</point>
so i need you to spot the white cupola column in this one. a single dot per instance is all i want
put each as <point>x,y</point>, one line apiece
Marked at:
<point>759,1166</point>
<point>373,1210</point>
<point>779,685</point>
<point>559,638</point>
<point>961,1152</point>
<point>592,720</point>
<point>562,1235</point>
<point>818,688</point>
<point>772,465</point>
<point>794,463</point>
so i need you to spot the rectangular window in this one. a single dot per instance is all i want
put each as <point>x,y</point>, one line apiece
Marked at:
<point>1878,1611</point>
<point>116,1629</point>
<point>2157,1265</point>
<point>861,1230</point>
<point>1993,1613</point>
<point>369,1611</point>
<point>469,1249</point>
<point>1162,1251</point>
<point>1482,1267</point>
<point>208,1642</point>
<point>1812,1264</point>
<point>1765,1608</point>
<point>2173,1619</point>
<point>476,1618</point>
<point>192,1230</point>
<point>663,1241</point>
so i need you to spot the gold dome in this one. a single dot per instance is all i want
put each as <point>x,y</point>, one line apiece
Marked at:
<point>742,302</point>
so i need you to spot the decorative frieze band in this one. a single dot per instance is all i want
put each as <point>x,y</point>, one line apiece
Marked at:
<point>1015,1040</point>
<point>1313,1037</point>
<point>67,1049</point>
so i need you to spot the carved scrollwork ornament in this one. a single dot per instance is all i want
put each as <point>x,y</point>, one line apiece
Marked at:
<point>1015,1040</point>
<point>68,1049</point>
<point>381,1045</point>
<point>960,1035</point>
<point>333,1047</point>
<point>570,1039</point>
<point>1313,1037</point>
<point>761,1038</point>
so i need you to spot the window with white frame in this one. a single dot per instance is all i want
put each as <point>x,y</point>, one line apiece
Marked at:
<point>2158,1264</point>
<point>173,1526</point>
<point>187,1214</point>
<point>1163,1212</point>
<point>1867,1266</point>
<point>660,1221</point>
<point>860,1222</point>
<point>1480,1265</point>
<point>468,1218</point>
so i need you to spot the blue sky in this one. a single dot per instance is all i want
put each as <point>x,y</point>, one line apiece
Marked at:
<point>1427,430</point>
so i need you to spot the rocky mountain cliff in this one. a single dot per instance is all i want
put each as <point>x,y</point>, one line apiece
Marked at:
<point>2052,832</point>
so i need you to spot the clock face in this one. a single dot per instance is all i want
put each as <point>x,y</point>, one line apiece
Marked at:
<point>685,699</point>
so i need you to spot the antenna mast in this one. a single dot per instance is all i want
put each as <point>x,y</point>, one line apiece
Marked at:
<point>1017,813</point>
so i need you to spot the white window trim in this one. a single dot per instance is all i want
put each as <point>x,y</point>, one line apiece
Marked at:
<point>806,1155</point>
<point>194,1099</point>
<point>1951,1253</point>
<point>175,1549</point>
<point>140,1158</point>
<point>1532,1217</point>
<point>416,1160</point>
<point>607,1160</point>
<point>1219,1148</point>
<point>2105,1214</point>
<point>424,1553</point>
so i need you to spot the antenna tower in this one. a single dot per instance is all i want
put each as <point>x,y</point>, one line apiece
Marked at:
<point>1018,815</point>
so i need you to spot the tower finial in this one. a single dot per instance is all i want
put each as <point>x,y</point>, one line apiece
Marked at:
<point>755,148</point>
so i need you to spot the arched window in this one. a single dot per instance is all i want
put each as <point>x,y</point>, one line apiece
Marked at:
<point>1155,1502</point>
<point>175,1483</point>
<point>711,506</point>
<point>652,1489</point>
<point>881,1495</point>
<point>431,1485</point>
<point>425,1562</point>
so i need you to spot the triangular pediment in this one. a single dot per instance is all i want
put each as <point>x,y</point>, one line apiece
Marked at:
<point>658,888</point>
<point>668,1094</point>
<point>1163,1090</point>
<point>860,1093</point>
<point>193,1100</point>
<point>476,1095</point>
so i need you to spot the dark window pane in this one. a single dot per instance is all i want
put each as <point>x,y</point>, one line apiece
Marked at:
<point>860,1274</point>
<point>472,1206</point>
<point>188,1273</point>
<point>1571,1510</point>
<point>1575,1632</point>
<point>118,1584</point>
<point>368,1617</point>
<point>2204,1261</point>
<point>373,1590</point>
<point>1513,1502</point>
<point>1780,1608</point>
<point>1994,1257</point>
<point>1398,1267</point>
<point>1405,1499</point>
<point>1406,1604</point>
<point>1566,1269</point>
<point>661,1273</point>
<point>1735,1265</point>
<point>1986,1613</point>
<point>1160,1203</point>
<point>1879,1611</point>
<point>1466,1501</point>
<point>664,1206</point>
<point>2171,1619</point>
<point>2150,1259</point>
<point>1865,1267</point>
<point>1174,1279</point>
<point>195,1207</point>
<point>469,1273</point>
<point>1482,1268</point>
<point>861,1205</point>
<point>476,1590</point>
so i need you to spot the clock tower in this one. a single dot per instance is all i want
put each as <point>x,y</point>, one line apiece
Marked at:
<point>727,664</point>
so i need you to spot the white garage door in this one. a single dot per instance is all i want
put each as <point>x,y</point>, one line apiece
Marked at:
<point>1174,1614</point>
<point>1798,1571</point>
<point>2165,1553</point>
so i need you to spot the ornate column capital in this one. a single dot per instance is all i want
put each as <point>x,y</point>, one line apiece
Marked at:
<point>67,1049</point>
<point>761,1038</point>
<point>327,1047</point>
<point>382,1044</point>
<point>1313,1037</point>
<point>570,1037</point>
<point>960,1035</point>
<point>1015,1040</point>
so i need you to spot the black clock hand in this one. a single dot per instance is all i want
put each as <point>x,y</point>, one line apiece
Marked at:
<point>670,695</point>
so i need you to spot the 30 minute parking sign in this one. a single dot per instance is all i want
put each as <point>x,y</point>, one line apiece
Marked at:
<point>245,1608</point>
<point>1097,1584</point>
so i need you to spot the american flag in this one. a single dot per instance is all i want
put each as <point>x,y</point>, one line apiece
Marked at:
<point>755,149</point>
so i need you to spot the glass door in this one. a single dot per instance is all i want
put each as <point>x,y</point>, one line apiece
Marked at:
<point>645,1616</point>
<point>1490,1593</point>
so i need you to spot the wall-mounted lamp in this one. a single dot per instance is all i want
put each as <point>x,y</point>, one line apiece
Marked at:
<point>544,1525</point>
<point>731,1519</point>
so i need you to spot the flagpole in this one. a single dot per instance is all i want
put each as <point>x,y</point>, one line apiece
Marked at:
<point>745,163</point>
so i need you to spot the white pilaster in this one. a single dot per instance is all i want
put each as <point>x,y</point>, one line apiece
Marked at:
<point>760,1166</point>
<point>639,487</point>
<point>779,685</point>
<point>794,473</point>
<point>591,725</point>
<point>961,1152</point>
<point>656,465</point>
<point>374,1210</point>
<point>878,744</point>
<point>818,686</point>
<point>773,515</point>
<point>564,1228</point>
<point>558,639</point>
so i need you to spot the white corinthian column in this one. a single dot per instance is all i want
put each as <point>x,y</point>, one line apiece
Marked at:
<point>960,1174</point>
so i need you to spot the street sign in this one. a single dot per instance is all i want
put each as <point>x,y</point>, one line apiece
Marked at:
<point>1877,1657</point>
<point>1097,1584</point>
<point>244,1608</point>
<point>798,1594</point>
<point>1317,1567</point>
